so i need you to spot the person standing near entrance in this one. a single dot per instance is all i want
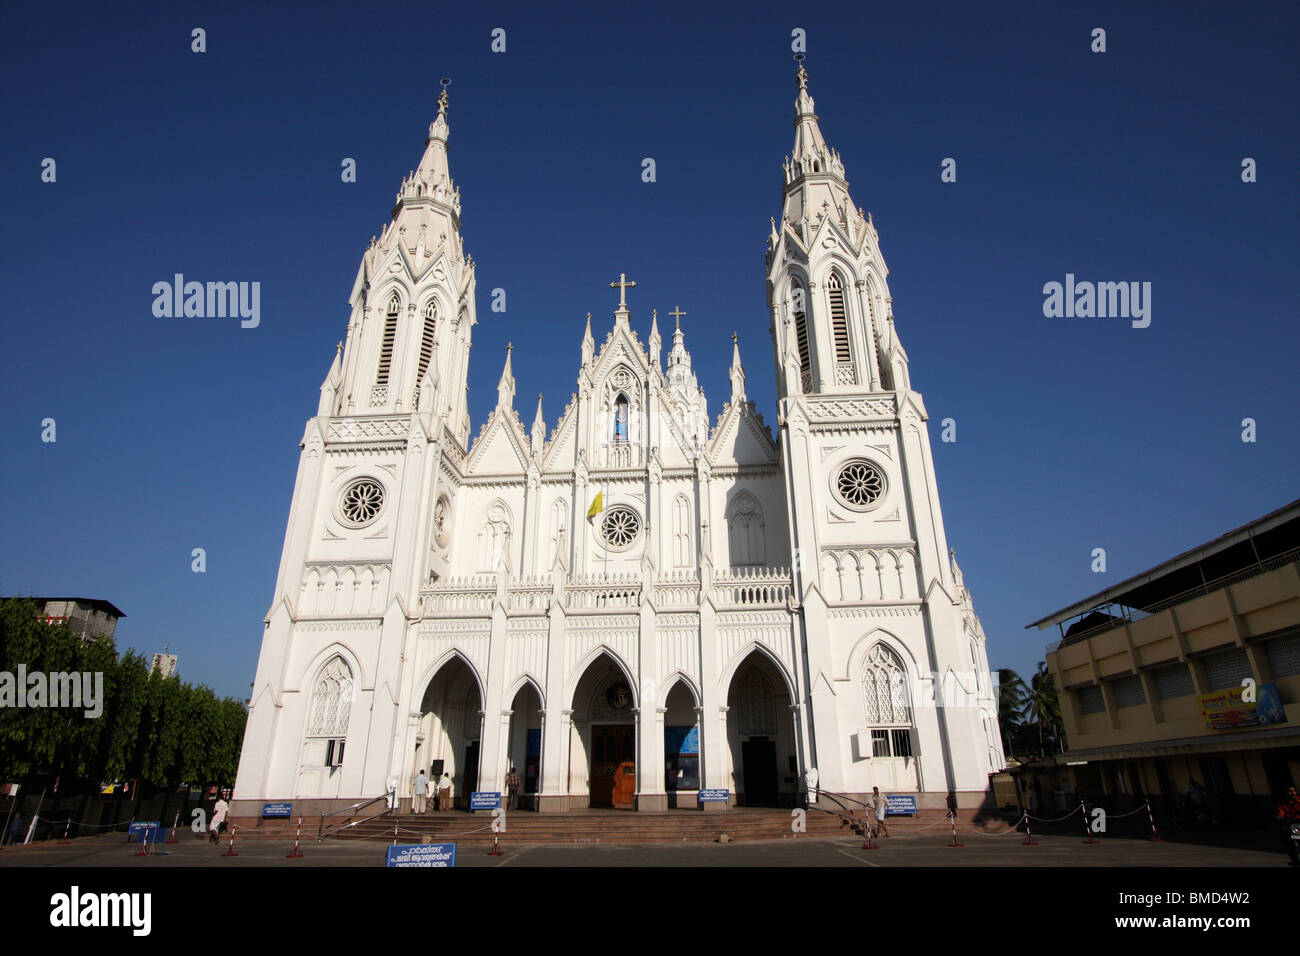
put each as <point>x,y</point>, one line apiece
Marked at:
<point>512,789</point>
<point>421,791</point>
<point>880,807</point>
<point>444,792</point>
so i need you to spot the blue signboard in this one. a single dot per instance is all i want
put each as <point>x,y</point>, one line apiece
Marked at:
<point>484,800</point>
<point>439,855</point>
<point>900,804</point>
<point>142,826</point>
<point>715,795</point>
<point>276,810</point>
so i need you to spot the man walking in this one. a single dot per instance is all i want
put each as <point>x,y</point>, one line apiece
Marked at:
<point>880,807</point>
<point>219,811</point>
<point>421,792</point>
<point>444,792</point>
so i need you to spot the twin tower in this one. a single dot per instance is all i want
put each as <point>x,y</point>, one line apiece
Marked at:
<point>642,607</point>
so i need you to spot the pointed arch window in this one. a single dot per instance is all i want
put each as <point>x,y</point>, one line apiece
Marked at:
<point>390,336</point>
<point>888,711</point>
<point>331,711</point>
<point>798,299</point>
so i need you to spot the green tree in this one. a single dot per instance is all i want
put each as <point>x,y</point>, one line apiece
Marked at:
<point>1013,697</point>
<point>1044,708</point>
<point>159,730</point>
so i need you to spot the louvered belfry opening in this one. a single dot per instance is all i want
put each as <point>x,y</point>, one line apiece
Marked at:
<point>426,344</point>
<point>801,337</point>
<point>839,324</point>
<point>386,346</point>
<point>844,371</point>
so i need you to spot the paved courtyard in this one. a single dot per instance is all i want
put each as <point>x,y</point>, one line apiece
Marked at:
<point>902,851</point>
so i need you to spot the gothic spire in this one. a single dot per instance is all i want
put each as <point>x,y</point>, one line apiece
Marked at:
<point>432,178</point>
<point>588,344</point>
<point>539,428</point>
<point>506,387</point>
<point>814,175</point>
<point>656,341</point>
<point>737,371</point>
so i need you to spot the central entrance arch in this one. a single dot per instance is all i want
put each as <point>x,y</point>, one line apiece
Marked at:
<point>602,760</point>
<point>760,734</point>
<point>451,723</point>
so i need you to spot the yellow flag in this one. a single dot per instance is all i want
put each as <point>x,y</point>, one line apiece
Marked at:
<point>597,506</point>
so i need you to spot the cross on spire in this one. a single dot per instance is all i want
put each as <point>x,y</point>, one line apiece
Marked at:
<point>622,285</point>
<point>677,314</point>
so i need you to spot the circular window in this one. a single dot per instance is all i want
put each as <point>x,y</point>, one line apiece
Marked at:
<point>620,528</point>
<point>362,500</point>
<point>860,484</point>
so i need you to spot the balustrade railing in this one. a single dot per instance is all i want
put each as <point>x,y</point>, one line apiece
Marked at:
<point>752,587</point>
<point>732,587</point>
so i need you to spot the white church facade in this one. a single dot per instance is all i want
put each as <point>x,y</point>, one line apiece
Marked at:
<point>641,603</point>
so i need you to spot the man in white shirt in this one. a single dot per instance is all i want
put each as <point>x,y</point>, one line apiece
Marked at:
<point>219,812</point>
<point>421,792</point>
<point>880,807</point>
<point>444,792</point>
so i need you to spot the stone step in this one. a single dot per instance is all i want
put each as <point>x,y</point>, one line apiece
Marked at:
<point>605,826</point>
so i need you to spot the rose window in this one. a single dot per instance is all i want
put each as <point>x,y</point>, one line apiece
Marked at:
<point>621,526</point>
<point>860,484</point>
<point>362,500</point>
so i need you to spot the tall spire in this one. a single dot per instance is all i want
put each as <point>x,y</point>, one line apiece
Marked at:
<point>737,371</point>
<point>810,149</point>
<point>432,178</point>
<point>506,387</point>
<point>814,174</point>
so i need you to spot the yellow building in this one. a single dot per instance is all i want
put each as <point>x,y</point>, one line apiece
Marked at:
<point>1188,676</point>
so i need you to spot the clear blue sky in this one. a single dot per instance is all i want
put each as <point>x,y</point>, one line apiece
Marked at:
<point>1072,433</point>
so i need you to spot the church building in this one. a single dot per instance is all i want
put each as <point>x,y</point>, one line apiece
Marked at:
<point>642,605</point>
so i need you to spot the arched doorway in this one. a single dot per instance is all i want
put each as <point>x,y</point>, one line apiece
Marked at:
<point>602,758</point>
<point>681,746</point>
<point>760,735</point>
<point>450,727</point>
<point>524,744</point>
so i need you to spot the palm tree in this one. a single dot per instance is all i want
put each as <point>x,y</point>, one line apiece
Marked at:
<point>1043,706</point>
<point>1012,700</point>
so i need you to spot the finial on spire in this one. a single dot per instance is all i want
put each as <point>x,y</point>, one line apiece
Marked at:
<point>801,75</point>
<point>677,314</point>
<point>442,97</point>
